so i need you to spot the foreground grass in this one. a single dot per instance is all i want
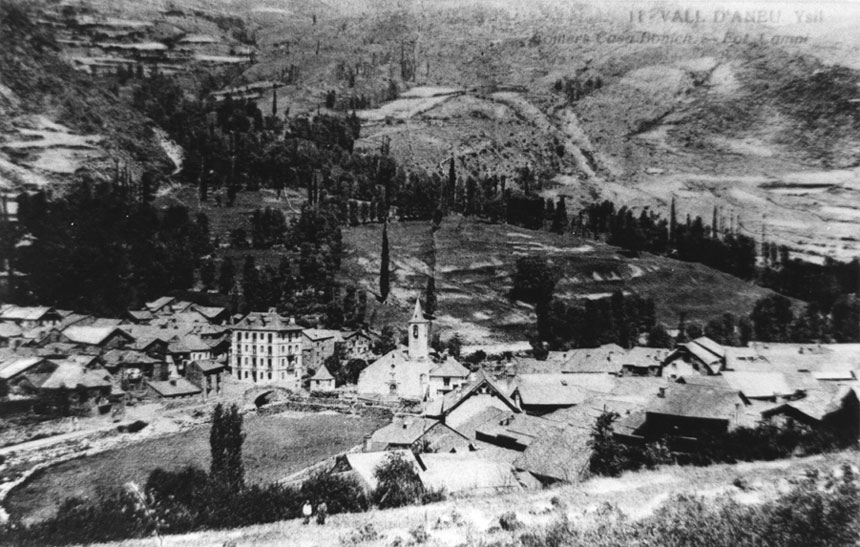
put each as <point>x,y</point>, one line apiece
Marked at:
<point>635,497</point>
<point>275,446</point>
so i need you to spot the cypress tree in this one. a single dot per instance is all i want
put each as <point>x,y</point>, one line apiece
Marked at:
<point>673,223</point>
<point>227,277</point>
<point>430,296</point>
<point>714,224</point>
<point>559,219</point>
<point>384,274</point>
<point>452,185</point>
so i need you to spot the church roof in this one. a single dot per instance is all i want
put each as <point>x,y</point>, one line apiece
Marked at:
<point>418,314</point>
<point>395,367</point>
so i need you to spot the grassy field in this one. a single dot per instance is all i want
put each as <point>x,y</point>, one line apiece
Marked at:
<point>474,262</point>
<point>275,447</point>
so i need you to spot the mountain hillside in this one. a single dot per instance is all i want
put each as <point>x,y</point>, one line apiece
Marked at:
<point>54,120</point>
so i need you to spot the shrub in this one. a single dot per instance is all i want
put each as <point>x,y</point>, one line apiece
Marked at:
<point>509,521</point>
<point>419,534</point>
<point>363,534</point>
<point>433,496</point>
<point>341,494</point>
<point>399,483</point>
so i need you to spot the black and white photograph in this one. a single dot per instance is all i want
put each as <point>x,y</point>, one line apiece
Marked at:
<point>442,273</point>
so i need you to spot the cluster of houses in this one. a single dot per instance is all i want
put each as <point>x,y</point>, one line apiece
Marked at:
<point>529,420</point>
<point>58,361</point>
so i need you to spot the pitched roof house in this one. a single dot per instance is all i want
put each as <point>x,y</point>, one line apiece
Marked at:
<point>544,393</point>
<point>684,410</point>
<point>702,356</point>
<point>458,408</point>
<point>322,380</point>
<point>103,337</point>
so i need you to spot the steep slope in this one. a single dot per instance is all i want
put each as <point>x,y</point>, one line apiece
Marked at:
<point>54,120</point>
<point>474,266</point>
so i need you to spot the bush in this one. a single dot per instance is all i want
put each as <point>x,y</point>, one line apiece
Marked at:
<point>399,483</point>
<point>433,496</point>
<point>419,534</point>
<point>341,494</point>
<point>509,521</point>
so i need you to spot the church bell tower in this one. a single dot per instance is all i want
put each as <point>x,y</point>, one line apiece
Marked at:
<point>419,334</point>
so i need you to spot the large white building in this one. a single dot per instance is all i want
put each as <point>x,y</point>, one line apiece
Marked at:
<point>410,373</point>
<point>266,348</point>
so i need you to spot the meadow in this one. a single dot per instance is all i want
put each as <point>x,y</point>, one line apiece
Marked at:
<point>275,446</point>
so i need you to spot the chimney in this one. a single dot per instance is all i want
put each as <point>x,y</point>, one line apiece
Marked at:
<point>366,444</point>
<point>173,381</point>
<point>661,393</point>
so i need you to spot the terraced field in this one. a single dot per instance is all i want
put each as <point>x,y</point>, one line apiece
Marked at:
<point>474,262</point>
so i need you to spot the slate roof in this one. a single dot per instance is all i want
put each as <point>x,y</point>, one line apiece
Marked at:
<point>549,390</point>
<point>116,357</point>
<point>14,367</point>
<point>593,360</point>
<point>418,313</point>
<point>397,367</point>
<point>460,473</point>
<point>10,330</point>
<point>521,428</point>
<point>316,335</point>
<point>322,374</point>
<point>180,387</point>
<point>159,303</point>
<point>561,455</point>
<point>212,313</point>
<point>816,404</point>
<point>403,431</point>
<point>71,375</point>
<point>470,427</point>
<point>697,402</point>
<point>207,365</point>
<point>93,336</point>
<point>451,368</point>
<point>453,399</point>
<point>23,313</point>
<point>266,321</point>
<point>759,385</point>
<point>141,315</point>
<point>711,346</point>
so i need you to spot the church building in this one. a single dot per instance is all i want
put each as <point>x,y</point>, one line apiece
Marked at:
<point>405,373</point>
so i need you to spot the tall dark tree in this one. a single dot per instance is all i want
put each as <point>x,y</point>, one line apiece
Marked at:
<point>430,296</point>
<point>772,318</point>
<point>448,195</point>
<point>225,443</point>
<point>845,318</point>
<point>384,273</point>
<point>559,219</point>
<point>673,222</point>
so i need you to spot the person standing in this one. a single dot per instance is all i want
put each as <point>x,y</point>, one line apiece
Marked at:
<point>322,512</point>
<point>307,511</point>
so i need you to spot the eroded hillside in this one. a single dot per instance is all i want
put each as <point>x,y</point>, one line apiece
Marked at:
<point>54,121</point>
